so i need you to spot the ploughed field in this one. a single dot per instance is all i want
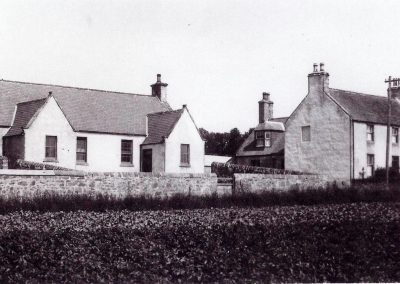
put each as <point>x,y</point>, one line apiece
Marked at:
<point>341,243</point>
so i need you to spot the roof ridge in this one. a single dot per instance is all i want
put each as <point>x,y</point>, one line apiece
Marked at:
<point>31,101</point>
<point>356,93</point>
<point>78,88</point>
<point>160,112</point>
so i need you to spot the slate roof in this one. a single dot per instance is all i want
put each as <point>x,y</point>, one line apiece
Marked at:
<point>23,115</point>
<point>366,108</point>
<point>87,110</point>
<point>161,125</point>
<point>248,148</point>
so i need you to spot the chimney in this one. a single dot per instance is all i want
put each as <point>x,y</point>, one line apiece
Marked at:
<point>159,89</point>
<point>395,90</point>
<point>318,80</point>
<point>265,109</point>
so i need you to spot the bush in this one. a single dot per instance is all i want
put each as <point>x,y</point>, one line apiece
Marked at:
<point>380,175</point>
<point>228,169</point>
<point>28,165</point>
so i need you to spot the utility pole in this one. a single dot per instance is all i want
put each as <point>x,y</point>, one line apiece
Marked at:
<point>389,93</point>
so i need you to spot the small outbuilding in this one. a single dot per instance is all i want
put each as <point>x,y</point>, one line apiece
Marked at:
<point>265,145</point>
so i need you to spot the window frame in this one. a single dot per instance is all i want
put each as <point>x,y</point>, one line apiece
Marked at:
<point>47,157</point>
<point>369,164</point>
<point>126,153</point>
<point>303,132</point>
<point>395,135</point>
<point>267,140</point>
<point>263,138</point>
<point>259,135</point>
<point>84,152</point>
<point>184,157</point>
<point>370,133</point>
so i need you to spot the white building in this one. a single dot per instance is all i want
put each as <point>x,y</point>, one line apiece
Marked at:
<point>339,133</point>
<point>94,130</point>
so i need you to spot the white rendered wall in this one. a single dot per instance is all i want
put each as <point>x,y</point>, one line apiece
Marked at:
<point>50,121</point>
<point>158,157</point>
<point>185,132</point>
<point>103,150</point>
<point>3,131</point>
<point>362,147</point>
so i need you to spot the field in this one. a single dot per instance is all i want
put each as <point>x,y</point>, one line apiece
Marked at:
<point>341,243</point>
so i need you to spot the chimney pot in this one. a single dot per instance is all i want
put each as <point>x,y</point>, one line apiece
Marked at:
<point>265,96</point>
<point>321,67</point>
<point>315,67</point>
<point>184,106</point>
<point>158,77</point>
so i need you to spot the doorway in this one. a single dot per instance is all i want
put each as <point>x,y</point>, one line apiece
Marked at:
<point>147,160</point>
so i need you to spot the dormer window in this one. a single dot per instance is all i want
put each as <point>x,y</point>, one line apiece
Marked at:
<point>263,139</point>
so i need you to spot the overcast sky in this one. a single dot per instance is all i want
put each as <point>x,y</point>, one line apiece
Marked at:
<point>217,56</point>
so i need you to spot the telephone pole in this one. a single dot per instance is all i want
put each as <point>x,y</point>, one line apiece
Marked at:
<point>389,93</point>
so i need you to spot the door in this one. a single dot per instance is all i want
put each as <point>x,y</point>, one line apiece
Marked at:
<point>147,160</point>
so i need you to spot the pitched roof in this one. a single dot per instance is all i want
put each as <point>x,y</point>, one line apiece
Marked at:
<point>86,109</point>
<point>248,147</point>
<point>161,124</point>
<point>271,126</point>
<point>366,108</point>
<point>24,113</point>
<point>209,159</point>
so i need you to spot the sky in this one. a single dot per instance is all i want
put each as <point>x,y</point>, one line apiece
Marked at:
<point>217,56</point>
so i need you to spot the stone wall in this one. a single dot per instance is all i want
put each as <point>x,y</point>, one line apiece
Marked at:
<point>28,183</point>
<point>278,182</point>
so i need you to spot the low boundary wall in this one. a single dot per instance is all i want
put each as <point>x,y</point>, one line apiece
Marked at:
<point>28,183</point>
<point>278,182</point>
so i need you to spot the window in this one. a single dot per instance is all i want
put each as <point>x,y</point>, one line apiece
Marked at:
<point>370,164</point>
<point>263,139</point>
<point>395,135</point>
<point>126,152</point>
<point>267,139</point>
<point>185,154</point>
<point>51,148</point>
<point>370,132</point>
<point>259,139</point>
<point>81,149</point>
<point>395,162</point>
<point>306,133</point>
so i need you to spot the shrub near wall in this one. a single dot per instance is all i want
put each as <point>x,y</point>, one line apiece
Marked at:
<point>228,170</point>
<point>255,183</point>
<point>115,184</point>
<point>28,165</point>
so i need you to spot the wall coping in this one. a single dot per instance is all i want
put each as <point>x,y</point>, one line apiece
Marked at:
<point>19,172</point>
<point>276,175</point>
<point>13,172</point>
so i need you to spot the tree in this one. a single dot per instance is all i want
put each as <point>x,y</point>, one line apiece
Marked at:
<point>223,144</point>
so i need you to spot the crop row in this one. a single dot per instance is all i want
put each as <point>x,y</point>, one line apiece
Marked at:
<point>345,243</point>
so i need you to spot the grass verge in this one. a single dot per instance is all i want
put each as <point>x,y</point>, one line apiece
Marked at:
<point>101,202</point>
